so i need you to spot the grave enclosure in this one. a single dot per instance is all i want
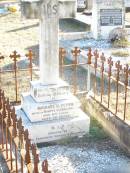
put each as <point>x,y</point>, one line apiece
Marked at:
<point>49,111</point>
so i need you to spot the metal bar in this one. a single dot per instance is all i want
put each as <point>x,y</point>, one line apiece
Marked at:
<point>127,73</point>
<point>75,52</point>
<point>110,63</point>
<point>124,116</point>
<point>119,67</point>
<point>16,159</point>
<point>102,57</point>
<point>16,82</point>
<point>6,140</point>
<point>21,164</point>
<point>11,161</point>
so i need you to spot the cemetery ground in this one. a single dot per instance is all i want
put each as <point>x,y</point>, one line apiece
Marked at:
<point>95,153</point>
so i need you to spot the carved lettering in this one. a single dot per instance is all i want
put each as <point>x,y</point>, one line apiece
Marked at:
<point>55,9</point>
<point>50,9</point>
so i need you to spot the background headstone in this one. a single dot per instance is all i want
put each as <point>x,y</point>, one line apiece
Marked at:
<point>107,15</point>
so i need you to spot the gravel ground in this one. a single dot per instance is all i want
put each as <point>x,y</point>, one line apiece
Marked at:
<point>3,166</point>
<point>81,155</point>
<point>86,156</point>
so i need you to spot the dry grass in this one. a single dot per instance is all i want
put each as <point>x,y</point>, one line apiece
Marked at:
<point>121,43</point>
<point>121,103</point>
<point>8,83</point>
<point>121,53</point>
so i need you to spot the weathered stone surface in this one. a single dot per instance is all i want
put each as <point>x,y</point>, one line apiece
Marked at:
<point>52,113</point>
<point>54,130</point>
<point>67,8</point>
<point>49,12</point>
<point>58,109</point>
<point>43,93</point>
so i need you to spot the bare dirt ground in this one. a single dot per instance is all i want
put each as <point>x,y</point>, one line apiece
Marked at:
<point>17,34</point>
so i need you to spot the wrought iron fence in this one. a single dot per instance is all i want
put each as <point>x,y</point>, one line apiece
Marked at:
<point>108,81</point>
<point>15,79</point>
<point>20,154</point>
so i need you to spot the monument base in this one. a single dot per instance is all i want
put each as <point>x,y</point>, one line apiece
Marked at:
<point>49,110</point>
<point>49,92</point>
<point>48,131</point>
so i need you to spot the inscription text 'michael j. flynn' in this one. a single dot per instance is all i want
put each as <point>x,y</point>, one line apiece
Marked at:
<point>50,9</point>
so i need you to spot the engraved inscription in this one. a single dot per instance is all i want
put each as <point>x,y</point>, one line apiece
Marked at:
<point>50,9</point>
<point>110,17</point>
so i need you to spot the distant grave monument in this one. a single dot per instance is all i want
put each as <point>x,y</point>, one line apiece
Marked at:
<point>49,110</point>
<point>107,15</point>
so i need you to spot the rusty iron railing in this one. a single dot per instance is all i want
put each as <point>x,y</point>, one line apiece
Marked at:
<point>13,78</point>
<point>20,154</point>
<point>108,80</point>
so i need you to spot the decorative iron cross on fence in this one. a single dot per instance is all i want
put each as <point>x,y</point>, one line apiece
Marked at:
<point>119,68</point>
<point>127,74</point>
<point>1,58</point>
<point>110,64</point>
<point>15,58</point>
<point>30,55</point>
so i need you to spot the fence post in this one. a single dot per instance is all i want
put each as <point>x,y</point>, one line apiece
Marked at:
<point>15,57</point>
<point>45,167</point>
<point>75,52</point>
<point>127,73</point>
<point>3,116</point>
<point>6,127</point>
<point>89,70</point>
<point>10,135</point>
<point>0,99</point>
<point>110,64</point>
<point>118,67</point>
<point>27,147</point>
<point>15,134</point>
<point>35,158</point>
<point>30,56</point>
<point>1,58</point>
<point>62,54</point>
<point>96,56</point>
<point>102,57</point>
<point>21,131</point>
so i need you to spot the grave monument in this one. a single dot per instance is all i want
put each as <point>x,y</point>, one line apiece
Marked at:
<point>49,110</point>
<point>107,15</point>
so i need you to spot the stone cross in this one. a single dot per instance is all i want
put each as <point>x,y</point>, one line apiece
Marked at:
<point>49,12</point>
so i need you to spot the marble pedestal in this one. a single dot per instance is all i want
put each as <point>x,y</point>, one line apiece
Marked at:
<point>51,112</point>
